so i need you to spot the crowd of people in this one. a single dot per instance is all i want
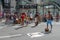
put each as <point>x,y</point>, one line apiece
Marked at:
<point>24,18</point>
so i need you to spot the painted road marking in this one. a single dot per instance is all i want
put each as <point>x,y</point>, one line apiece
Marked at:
<point>3,20</point>
<point>16,26</point>
<point>36,34</point>
<point>10,36</point>
<point>1,27</point>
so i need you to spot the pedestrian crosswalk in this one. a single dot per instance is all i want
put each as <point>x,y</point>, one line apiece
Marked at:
<point>10,36</point>
<point>31,35</point>
<point>36,34</point>
<point>1,27</point>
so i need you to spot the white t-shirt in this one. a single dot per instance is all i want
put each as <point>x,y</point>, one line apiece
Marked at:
<point>31,16</point>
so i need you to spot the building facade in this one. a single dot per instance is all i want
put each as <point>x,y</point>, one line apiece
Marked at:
<point>29,6</point>
<point>13,6</point>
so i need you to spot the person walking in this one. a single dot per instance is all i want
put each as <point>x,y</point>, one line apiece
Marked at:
<point>49,20</point>
<point>37,19</point>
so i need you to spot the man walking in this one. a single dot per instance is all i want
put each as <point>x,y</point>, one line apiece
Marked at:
<point>49,20</point>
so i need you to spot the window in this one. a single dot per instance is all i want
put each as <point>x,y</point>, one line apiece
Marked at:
<point>42,0</point>
<point>6,1</point>
<point>29,0</point>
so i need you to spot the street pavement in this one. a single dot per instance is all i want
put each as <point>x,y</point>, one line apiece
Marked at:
<point>8,32</point>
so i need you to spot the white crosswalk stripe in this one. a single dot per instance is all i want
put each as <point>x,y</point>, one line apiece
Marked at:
<point>10,36</point>
<point>1,27</point>
<point>36,34</point>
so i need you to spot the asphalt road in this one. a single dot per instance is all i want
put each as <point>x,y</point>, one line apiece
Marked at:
<point>8,32</point>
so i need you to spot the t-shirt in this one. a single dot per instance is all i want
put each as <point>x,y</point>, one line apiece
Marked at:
<point>23,16</point>
<point>14,16</point>
<point>31,16</point>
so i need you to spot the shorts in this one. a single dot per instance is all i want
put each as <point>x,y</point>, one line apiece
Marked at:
<point>27,22</point>
<point>49,22</point>
<point>31,18</point>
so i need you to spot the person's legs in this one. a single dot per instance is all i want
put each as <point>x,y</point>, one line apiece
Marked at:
<point>27,23</point>
<point>47,23</point>
<point>36,23</point>
<point>31,20</point>
<point>51,24</point>
<point>22,21</point>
